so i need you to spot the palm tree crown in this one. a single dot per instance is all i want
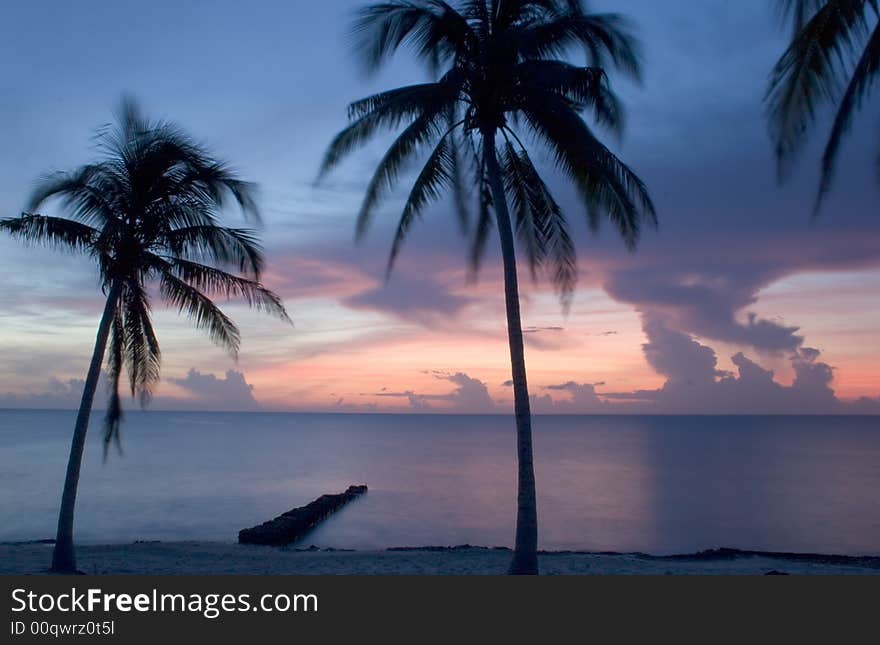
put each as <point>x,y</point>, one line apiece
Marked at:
<point>833,59</point>
<point>149,211</point>
<point>499,66</point>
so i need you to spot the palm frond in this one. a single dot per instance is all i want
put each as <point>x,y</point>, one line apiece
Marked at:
<point>528,231</point>
<point>115,365</point>
<point>485,222</point>
<point>54,232</point>
<point>606,39</point>
<point>541,224</point>
<point>863,77</point>
<point>205,314</point>
<point>133,348</point>
<point>387,111</point>
<point>435,175</point>
<point>94,194</point>
<point>798,12</point>
<point>421,132</point>
<point>584,87</point>
<point>807,75</point>
<point>214,282</point>
<point>607,185</point>
<point>203,182</point>
<point>504,16</point>
<point>219,245</point>
<point>433,28</point>
<point>457,180</point>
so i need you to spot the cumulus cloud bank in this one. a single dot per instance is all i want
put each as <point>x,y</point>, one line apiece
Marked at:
<point>706,303</point>
<point>694,385</point>
<point>232,392</point>
<point>58,395</point>
<point>470,396</point>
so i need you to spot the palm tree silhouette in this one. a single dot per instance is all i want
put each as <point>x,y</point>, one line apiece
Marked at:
<point>147,212</point>
<point>833,59</point>
<point>500,69</point>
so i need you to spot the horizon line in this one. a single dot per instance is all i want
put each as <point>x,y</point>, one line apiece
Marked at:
<point>469,414</point>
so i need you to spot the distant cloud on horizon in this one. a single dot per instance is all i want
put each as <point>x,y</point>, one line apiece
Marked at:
<point>694,385</point>
<point>232,392</point>
<point>205,392</point>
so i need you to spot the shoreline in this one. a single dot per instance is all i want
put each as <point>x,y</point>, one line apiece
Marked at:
<point>219,558</point>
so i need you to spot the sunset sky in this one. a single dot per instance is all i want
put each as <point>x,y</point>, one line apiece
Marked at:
<point>736,283</point>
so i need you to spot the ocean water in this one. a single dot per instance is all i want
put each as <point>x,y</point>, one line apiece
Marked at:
<point>652,484</point>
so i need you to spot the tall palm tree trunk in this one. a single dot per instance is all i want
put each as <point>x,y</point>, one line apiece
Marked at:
<point>525,556</point>
<point>63,556</point>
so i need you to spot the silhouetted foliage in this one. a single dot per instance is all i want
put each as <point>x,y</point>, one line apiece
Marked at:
<point>832,60</point>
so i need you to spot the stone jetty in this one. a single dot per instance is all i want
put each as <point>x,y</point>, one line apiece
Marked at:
<point>295,523</point>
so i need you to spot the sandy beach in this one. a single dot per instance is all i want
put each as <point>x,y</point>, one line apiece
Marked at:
<point>200,558</point>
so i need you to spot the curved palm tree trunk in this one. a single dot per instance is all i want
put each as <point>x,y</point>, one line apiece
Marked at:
<point>525,556</point>
<point>63,556</point>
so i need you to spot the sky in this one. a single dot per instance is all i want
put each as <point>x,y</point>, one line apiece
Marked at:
<point>738,303</point>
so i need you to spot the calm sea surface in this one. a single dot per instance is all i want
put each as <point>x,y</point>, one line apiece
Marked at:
<point>654,484</point>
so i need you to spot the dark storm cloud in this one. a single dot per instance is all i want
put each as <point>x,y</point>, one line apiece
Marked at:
<point>705,303</point>
<point>708,290</point>
<point>413,298</point>
<point>427,287</point>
